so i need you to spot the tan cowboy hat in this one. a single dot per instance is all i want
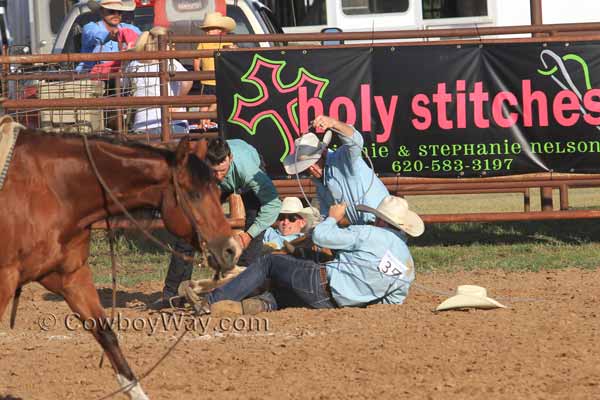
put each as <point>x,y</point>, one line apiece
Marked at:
<point>469,296</point>
<point>119,5</point>
<point>147,41</point>
<point>291,205</point>
<point>394,210</point>
<point>311,216</point>
<point>217,20</point>
<point>309,150</point>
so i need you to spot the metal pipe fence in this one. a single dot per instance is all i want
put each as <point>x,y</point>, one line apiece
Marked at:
<point>49,93</point>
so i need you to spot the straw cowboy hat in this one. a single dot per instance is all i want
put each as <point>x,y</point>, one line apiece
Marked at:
<point>119,5</point>
<point>469,296</point>
<point>148,41</point>
<point>291,205</point>
<point>217,20</point>
<point>308,151</point>
<point>394,210</point>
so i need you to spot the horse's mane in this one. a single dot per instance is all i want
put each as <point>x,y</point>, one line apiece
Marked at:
<point>200,171</point>
<point>134,144</point>
<point>197,167</point>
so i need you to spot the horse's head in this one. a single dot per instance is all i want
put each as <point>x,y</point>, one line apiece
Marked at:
<point>191,206</point>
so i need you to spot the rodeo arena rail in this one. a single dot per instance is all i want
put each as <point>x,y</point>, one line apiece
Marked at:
<point>445,111</point>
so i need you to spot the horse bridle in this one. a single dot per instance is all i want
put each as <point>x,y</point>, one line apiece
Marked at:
<point>182,199</point>
<point>136,223</point>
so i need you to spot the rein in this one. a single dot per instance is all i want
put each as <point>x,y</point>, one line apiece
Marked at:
<point>144,231</point>
<point>182,199</point>
<point>185,205</point>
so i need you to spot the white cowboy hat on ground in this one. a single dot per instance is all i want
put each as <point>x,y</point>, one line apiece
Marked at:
<point>309,150</point>
<point>217,20</point>
<point>469,296</point>
<point>291,205</point>
<point>394,210</point>
<point>119,5</point>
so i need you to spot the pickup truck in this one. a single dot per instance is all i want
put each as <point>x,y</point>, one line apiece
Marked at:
<point>251,17</point>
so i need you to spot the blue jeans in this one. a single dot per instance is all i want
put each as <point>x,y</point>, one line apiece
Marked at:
<point>300,277</point>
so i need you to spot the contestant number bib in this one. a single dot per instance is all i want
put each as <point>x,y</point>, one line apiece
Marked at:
<point>391,266</point>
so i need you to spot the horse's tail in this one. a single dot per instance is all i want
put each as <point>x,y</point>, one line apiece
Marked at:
<point>15,304</point>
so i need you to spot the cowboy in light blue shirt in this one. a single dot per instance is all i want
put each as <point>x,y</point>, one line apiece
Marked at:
<point>237,167</point>
<point>356,275</point>
<point>372,265</point>
<point>340,176</point>
<point>290,223</point>
<point>102,36</point>
<point>274,238</point>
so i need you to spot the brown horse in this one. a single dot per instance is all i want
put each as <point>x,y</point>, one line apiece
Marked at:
<point>51,197</point>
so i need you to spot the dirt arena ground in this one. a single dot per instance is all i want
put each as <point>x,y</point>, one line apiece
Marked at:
<point>546,348</point>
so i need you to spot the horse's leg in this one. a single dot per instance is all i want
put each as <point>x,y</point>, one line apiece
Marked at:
<point>80,293</point>
<point>10,280</point>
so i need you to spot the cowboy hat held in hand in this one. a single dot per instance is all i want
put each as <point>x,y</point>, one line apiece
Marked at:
<point>148,40</point>
<point>118,5</point>
<point>216,20</point>
<point>469,296</point>
<point>394,210</point>
<point>308,150</point>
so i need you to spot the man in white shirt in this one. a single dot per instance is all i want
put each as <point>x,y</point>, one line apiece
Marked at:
<point>148,120</point>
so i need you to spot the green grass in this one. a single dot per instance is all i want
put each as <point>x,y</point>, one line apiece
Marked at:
<point>515,246</point>
<point>518,246</point>
<point>138,259</point>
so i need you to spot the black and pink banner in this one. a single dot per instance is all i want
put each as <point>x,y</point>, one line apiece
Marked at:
<point>436,111</point>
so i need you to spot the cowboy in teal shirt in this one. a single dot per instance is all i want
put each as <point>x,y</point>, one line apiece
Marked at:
<point>341,176</point>
<point>237,167</point>
<point>244,176</point>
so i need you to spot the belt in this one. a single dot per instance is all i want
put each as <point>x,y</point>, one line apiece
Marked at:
<point>325,281</point>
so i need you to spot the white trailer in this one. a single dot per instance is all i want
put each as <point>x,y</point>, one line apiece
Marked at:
<point>296,16</point>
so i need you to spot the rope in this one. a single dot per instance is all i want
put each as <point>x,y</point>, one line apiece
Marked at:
<point>410,283</point>
<point>369,187</point>
<point>113,270</point>
<point>155,240</point>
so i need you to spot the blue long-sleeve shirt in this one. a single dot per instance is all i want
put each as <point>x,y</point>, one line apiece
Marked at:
<point>355,275</point>
<point>95,39</point>
<point>246,175</point>
<point>273,235</point>
<point>347,178</point>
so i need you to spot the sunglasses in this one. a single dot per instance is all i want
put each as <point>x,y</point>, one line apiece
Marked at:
<point>289,217</point>
<point>108,11</point>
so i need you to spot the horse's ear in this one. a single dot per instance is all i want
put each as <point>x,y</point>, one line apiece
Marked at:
<point>182,151</point>
<point>200,148</point>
